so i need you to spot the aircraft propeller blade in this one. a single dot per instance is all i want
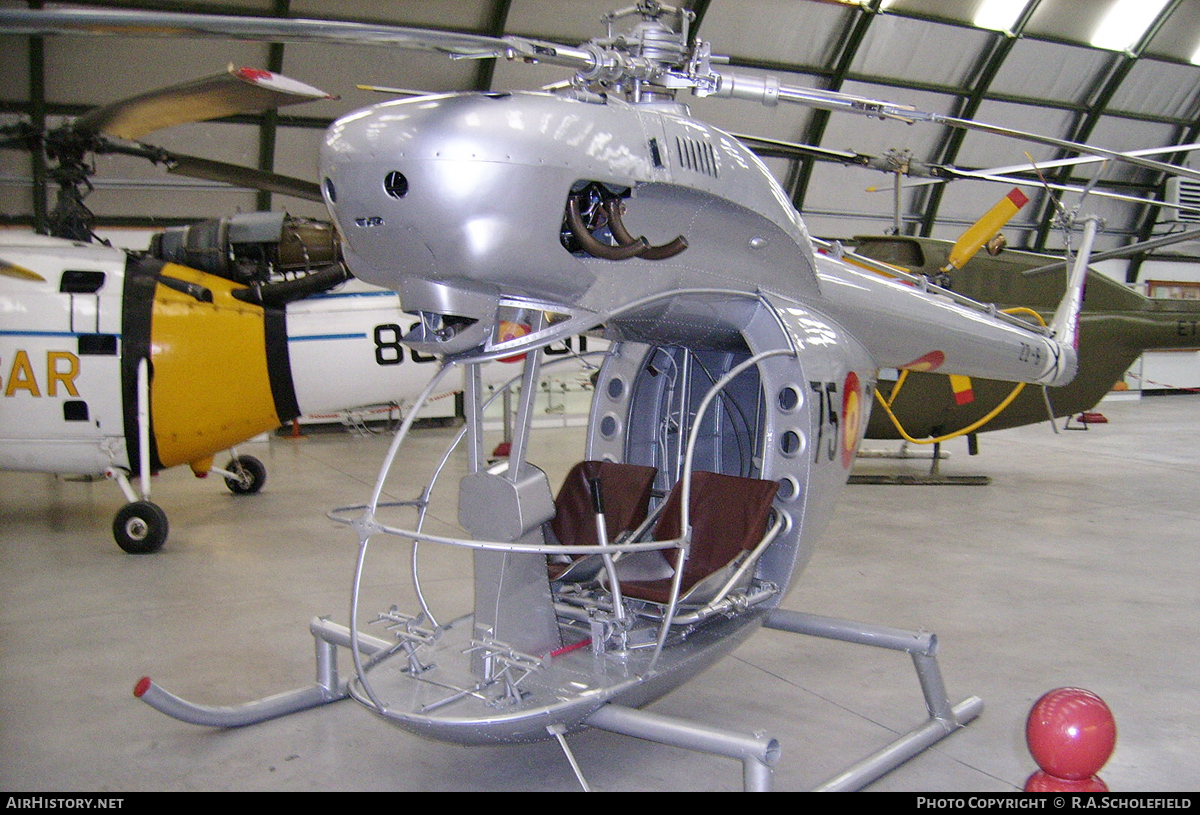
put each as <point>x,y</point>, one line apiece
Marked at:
<point>236,175</point>
<point>941,173</point>
<point>1064,162</point>
<point>926,173</point>
<point>775,148</point>
<point>393,91</point>
<point>596,60</point>
<point>1140,247</point>
<point>1051,185</point>
<point>238,90</point>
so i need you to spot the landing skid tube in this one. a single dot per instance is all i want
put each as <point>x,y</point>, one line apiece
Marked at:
<point>943,719</point>
<point>934,478</point>
<point>758,753</point>
<point>327,687</point>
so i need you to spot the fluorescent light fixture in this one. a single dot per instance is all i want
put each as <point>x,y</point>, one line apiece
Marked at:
<point>1125,23</point>
<point>1196,56</point>
<point>999,15</point>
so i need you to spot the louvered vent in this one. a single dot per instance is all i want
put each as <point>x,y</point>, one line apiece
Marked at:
<point>1186,192</point>
<point>696,155</point>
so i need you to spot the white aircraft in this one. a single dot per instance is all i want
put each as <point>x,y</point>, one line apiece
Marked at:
<point>121,364</point>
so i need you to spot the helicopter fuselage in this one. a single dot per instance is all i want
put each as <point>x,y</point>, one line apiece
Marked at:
<point>506,221</point>
<point>462,200</point>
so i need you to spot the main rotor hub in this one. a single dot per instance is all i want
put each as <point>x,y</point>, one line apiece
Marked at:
<point>648,61</point>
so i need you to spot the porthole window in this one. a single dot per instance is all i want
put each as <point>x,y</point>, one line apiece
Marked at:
<point>395,184</point>
<point>610,426</point>
<point>790,398</point>
<point>791,443</point>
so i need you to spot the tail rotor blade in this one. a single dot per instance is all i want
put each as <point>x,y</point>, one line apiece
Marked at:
<point>985,228</point>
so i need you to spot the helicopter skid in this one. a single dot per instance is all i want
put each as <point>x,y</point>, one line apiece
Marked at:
<point>444,700</point>
<point>943,720</point>
<point>438,696</point>
<point>438,691</point>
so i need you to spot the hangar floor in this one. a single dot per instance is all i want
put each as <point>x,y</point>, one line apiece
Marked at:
<point>1077,565</point>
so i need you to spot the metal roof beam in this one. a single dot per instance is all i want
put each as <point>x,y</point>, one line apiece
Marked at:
<point>852,37</point>
<point>986,71</point>
<point>1105,90</point>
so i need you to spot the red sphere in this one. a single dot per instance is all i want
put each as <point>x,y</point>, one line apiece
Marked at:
<point>1071,733</point>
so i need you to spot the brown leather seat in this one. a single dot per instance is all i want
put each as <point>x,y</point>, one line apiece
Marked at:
<point>624,490</point>
<point>728,514</point>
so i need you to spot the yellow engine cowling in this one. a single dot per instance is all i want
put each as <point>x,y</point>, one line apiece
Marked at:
<point>220,371</point>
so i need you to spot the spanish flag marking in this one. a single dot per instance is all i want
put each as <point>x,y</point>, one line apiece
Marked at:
<point>851,418</point>
<point>511,331</point>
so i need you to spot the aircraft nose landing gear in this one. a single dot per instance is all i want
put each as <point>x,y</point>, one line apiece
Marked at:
<point>140,527</point>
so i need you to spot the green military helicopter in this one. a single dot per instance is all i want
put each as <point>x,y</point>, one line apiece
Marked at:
<point>1117,323</point>
<point>1117,326</point>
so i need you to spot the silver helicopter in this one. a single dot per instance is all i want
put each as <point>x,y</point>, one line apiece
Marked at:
<point>726,413</point>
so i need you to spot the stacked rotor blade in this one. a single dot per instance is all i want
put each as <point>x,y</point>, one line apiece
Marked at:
<point>239,176</point>
<point>876,108</point>
<point>132,23</point>
<point>615,61</point>
<point>239,90</point>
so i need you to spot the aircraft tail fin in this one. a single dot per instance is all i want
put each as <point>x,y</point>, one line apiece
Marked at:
<point>1064,325</point>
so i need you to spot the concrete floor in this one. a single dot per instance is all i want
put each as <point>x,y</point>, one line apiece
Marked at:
<point>1076,566</point>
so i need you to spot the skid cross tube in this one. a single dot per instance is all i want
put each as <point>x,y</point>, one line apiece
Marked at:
<point>943,719</point>
<point>758,753</point>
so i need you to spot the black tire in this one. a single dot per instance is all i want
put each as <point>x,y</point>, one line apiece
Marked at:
<point>140,528</point>
<point>252,474</point>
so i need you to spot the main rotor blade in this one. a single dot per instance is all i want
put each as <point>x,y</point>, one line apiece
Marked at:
<point>941,173</point>
<point>774,148</point>
<point>1074,162</point>
<point>1042,185</point>
<point>1124,251</point>
<point>1064,144</point>
<point>588,58</point>
<point>238,90</point>
<point>238,176</point>
<point>768,92</point>
<point>275,29</point>
<point>948,172</point>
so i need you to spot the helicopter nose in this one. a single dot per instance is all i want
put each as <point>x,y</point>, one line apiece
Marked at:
<point>452,191</point>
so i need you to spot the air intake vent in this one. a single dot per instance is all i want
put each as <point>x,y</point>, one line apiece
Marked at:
<point>1185,192</point>
<point>697,156</point>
